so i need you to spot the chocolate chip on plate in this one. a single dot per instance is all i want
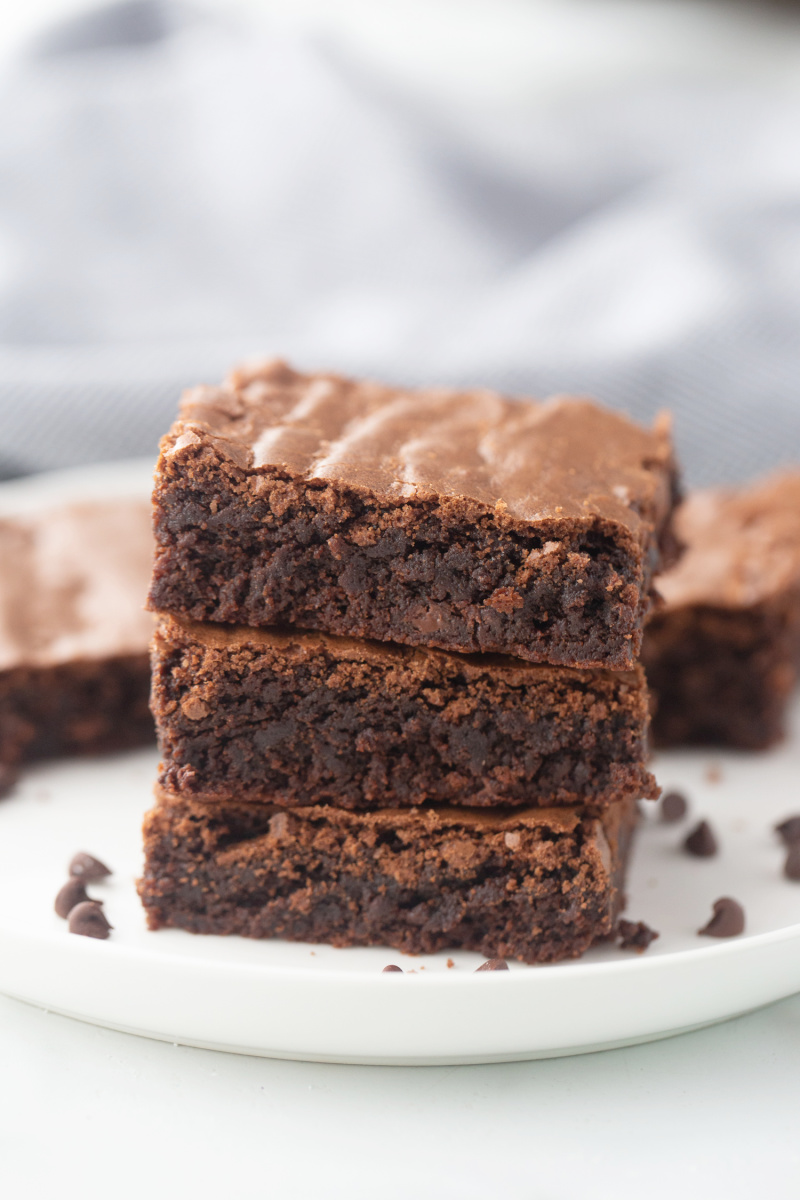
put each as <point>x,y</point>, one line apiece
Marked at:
<point>635,935</point>
<point>674,807</point>
<point>791,868</point>
<point>701,841</point>
<point>89,920</point>
<point>493,964</point>
<point>391,967</point>
<point>727,921</point>
<point>73,892</point>
<point>87,867</point>
<point>789,830</point>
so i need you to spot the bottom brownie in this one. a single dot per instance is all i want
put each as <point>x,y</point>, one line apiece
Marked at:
<point>84,707</point>
<point>537,885</point>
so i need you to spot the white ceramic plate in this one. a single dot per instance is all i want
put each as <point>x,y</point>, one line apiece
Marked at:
<point>315,1002</point>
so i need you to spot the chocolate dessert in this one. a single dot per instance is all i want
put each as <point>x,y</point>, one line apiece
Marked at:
<point>296,718</point>
<point>722,656</point>
<point>455,519</point>
<point>74,669</point>
<point>537,885</point>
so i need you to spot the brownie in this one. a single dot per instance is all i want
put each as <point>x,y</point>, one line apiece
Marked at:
<point>455,519</point>
<point>722,656</point>
<point>537,885</point>
<point>74,667</point>
<point>296,718</point>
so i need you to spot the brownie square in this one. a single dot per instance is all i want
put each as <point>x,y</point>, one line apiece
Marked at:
<point>459,520</point>
<point>722,656</point>
<point>295,718</point>
<point>74,636</point>
<point>537,885</point>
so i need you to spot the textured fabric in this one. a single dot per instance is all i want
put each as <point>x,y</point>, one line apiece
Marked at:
<point>176,193</point>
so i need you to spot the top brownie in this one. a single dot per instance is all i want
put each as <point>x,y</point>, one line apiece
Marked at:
<point>456,519</point>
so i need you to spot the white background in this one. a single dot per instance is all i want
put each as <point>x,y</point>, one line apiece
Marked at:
<point>88,1112</point>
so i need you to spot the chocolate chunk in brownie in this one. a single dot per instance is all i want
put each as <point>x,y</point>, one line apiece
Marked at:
<point>74,669</point>
<point>537,885</point>
<point>461,520</point>
<point>305,718</point>
<point>722,656</point>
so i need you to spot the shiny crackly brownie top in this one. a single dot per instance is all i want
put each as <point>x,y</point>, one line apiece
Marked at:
<point>742,545</point>
<point>73,583</point>
<point>565,458</point>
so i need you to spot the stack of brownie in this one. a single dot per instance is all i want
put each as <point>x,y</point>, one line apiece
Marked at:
<point>396,677</point>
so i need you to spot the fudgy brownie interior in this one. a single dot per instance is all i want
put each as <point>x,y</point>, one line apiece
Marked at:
<point>301,718</point>
<point>539,886</point>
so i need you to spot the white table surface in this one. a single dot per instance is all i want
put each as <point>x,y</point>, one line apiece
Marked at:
<point>86,1112</point>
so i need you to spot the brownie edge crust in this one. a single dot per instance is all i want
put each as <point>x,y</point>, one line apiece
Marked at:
<point>461,520</point>
<point>538,886</point>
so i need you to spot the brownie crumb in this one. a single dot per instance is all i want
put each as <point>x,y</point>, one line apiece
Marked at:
<point>493,964</point>
<point>391,968</point>
<point>73,892</point>
<point>674,807</point>
<point>789,830</point>
<point>635,935</point>
<point>714,773</point>
<point>791,867</point>
<point>701,841</point>
<point>85,866</point>
<point>89,920</point>
<point>727,921</point>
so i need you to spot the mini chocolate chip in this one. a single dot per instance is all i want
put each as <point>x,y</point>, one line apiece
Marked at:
<point>674,807</point>
<point>85,866</point>
<point>89,920</point>
<point>494,964</point>
<point>789,830</point>
<point>8,778</point>
<point>701,841</point>
<point>635,935</point>
<point>727,921</point>
<point>791,868</point>
<point>391,967</point>
<point>73,892</point>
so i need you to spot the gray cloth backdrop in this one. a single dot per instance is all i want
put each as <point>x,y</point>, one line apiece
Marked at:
<point>177,192</point>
